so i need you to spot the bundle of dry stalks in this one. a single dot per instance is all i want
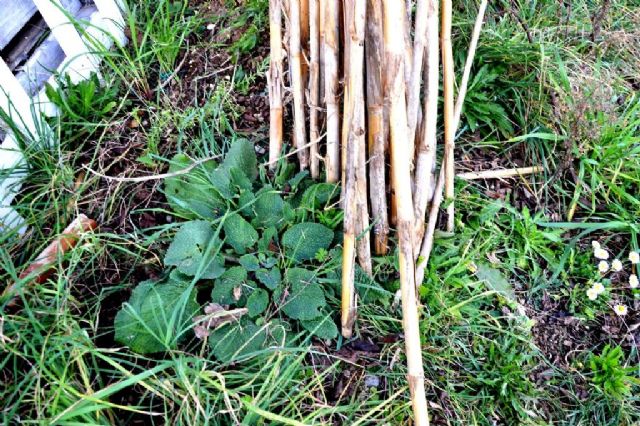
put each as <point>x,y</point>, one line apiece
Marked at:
<point>366,73</point>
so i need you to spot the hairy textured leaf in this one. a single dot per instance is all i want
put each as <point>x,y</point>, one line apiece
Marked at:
<point>323,327</point>
<point>250,262</point>
<point>305,296</point>
<point>229,285</point>
<point>319,194</point>
<point>156,315</point>
<point>242,156</point>
<point>239,233</point>
<point>233,341</point>
<point>192,194</point>
<point>270,209</point>
<point>303,240</point>
<point>271,278</point>
<point>495,280</point>
<point>257,302</point>
<point>188,249</point>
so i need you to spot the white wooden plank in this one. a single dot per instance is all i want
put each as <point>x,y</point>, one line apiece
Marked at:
<point>79,63</point>
<point>13,17</point>
<point>10,220</point>
<point>15,101</point>
<point>12,170</point>
<point>112,15</point>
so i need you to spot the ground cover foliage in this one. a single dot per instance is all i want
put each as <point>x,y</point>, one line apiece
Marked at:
<point>182,307</point>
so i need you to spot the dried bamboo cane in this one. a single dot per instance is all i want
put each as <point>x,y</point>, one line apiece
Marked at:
<point>314,85</point>
<point>408,45</point>
<point>358,129</point>
<point>330,48</point>
<point>473,45</point>
<point>449,126</point>
<point>355,198</point>
<point>394,72</point>
<point>275,82</point>
<point>376,126</point>
<point>426,155</point>
<point>419,41</point>
<point>427,242</point>
<point>295,58</point>
<point>304,40</point>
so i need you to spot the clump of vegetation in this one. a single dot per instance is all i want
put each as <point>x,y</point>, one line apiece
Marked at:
<point>248,242</point>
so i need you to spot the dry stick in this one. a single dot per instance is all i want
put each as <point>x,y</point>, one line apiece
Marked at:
<point>357,132</point>
<point>330,48</point>
<point>42,267</point>
<point>297,84</point>
<point>416,71</point>
<point>427,242</point>
<point>394,71</point>
<point>408,50</point>
<point>426,155</point>
<point>449,128</point>
<point>376,126</point>
<point>471,53</point>
<point>355,197</point>
<point>314,85</point>
<point>304,39</point>
<point>500,174</point>
<point>274,80</point>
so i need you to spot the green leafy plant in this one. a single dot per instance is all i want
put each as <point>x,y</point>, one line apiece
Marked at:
<point>610,375</point>
<point>87,101</point>
<point>251,245</point>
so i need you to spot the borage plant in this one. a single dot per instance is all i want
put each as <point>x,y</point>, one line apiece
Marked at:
<point>256,244</point>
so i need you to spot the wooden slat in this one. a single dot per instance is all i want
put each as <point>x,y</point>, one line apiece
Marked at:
<point>15,101</point>
<point>14,15</point>
<point>79,62</point>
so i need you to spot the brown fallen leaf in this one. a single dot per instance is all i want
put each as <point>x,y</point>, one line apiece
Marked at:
<point>215,316</point>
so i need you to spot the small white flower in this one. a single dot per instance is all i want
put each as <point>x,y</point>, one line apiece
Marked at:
<point>601,253</point>
<point>592,294</point>
<point>616,265</point>
<point>595,245</point>
<point>633,281</point>
<point>634,257</point>
<point>620,310</point>
<point>598,288</point>
<point>603,266</point>
<point>211,27</point>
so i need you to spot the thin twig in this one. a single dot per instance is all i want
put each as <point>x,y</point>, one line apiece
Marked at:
<point>152,177</point>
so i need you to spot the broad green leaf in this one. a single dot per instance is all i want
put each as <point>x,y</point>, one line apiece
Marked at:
<point>319,194</point>
<point>271,278</point>
<point>270,209</point>
<point>495,280</point>
<point>239,233</point>
<point>188,251</point>
<point>257,302</point>
<point>323,327</point>
<point>155,316</point>
<point>228,289</point>
<point>233,341</point>
<point>249,262</point>
<point>242,156</point>
<point>245,203</point>
<point>304,240</point>
<point>305,296</point>
<point>192,194</point>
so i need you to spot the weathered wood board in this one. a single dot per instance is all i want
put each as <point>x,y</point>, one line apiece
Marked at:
<point>14,14</point>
